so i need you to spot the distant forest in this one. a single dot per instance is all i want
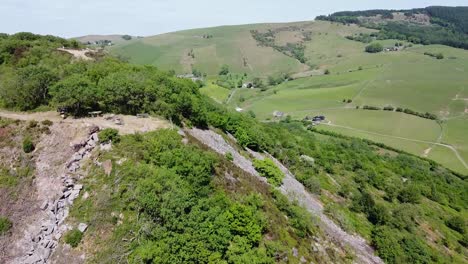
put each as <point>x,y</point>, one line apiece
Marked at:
<point>449,25</point>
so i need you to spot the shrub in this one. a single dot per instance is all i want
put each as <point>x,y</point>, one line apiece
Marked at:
<point>5,225</point>
<point>229,156</point>
<point>32,124</point>
<point>385,241</point>
<point>327,72</point>
<point>47,122</point>
<point>457,223</point>
<point>388,108</point>
<point>409,195</point>
<point>374,48</point>
<point>268,169</point>
<point>28,145</point>
<point>109,135</point>
<point>73,237</point>
<point>313,185</point>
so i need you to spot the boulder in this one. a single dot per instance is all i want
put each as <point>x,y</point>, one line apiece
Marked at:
<point>82,227</point>
<point>95,137</point>
<point>308,160</point>
<point>106,146</point>
<point>107,166</point>
<point>44,205</point>
<point>93,130</point>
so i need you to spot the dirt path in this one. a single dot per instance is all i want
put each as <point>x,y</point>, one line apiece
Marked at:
<point>231,95</point>
<point>454,150</point>
<point>294,190</point>
<point>131,124</point>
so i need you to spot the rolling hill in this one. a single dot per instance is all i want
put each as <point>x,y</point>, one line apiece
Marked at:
<point>208,49</point>
<point>408,78</point>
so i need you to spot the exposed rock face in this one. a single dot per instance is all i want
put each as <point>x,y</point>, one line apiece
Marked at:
<point>45,239</point>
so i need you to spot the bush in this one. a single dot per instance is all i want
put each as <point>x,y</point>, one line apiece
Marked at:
<point>457,223</point>
<point>268,169</point>
<point>47,122</point>
<point>374,48</point>
<point>389,108</point>
<point>32,124</point>
<point>409,195</point>
<point>5,225</point>
<point>73,237</point>
<point>28,145</point>
<point>327,72</point>
<point>109,135</point>
<point>386,243</point>
<point>229,156</point>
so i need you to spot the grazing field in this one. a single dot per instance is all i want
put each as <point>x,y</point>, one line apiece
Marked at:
<point>230,45</point>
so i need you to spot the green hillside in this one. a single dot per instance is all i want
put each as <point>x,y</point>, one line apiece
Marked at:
<point>169,198</point>
<point>410,78</point>
<point>214,47</point>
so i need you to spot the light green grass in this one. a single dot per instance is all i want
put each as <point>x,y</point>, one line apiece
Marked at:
<point>229,45</point>
<point>218,93</point>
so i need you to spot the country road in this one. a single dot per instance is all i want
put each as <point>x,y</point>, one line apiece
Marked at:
<point>459,157</point>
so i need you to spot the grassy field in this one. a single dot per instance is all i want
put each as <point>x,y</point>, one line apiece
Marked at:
<point>230,45</point>
<point>407,79</point>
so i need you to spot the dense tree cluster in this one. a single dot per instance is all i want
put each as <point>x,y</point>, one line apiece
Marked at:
<point>374,47</point>
<point>449,25</point>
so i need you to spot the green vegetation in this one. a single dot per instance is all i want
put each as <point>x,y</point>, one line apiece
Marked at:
<point>226,45</point>
<point>374,47</point>
<point>179,208</point>
<point>269,170</point>
<point>109,135</point>
<point>28,145</point>
<point>438,56</point>
<point>5,225</point>
<point>73,237</point>
<point>448,25</point>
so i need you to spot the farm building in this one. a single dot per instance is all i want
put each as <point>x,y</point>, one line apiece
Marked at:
<point>248,85</point>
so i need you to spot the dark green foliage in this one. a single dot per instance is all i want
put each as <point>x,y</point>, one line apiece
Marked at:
<point>224,70</point>
<point>185,218</point>
<point>28,145</point>
<point>386,243</point>
<point>449,25</point>
<point>127,37</point>
<point>410,194</point>
<point>109,135</point>
<point>5,225</point>
<point>369,107</point>
<point>268,169</point>
<point>229,156</point>
<point>73,237</point>
<point>438,56</point>
<point>374,48</point>
<point>457,223</point>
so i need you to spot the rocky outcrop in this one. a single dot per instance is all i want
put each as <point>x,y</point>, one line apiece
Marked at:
<point>45,239</point>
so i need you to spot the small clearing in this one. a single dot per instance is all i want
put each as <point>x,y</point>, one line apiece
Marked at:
<point>78,54</point>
